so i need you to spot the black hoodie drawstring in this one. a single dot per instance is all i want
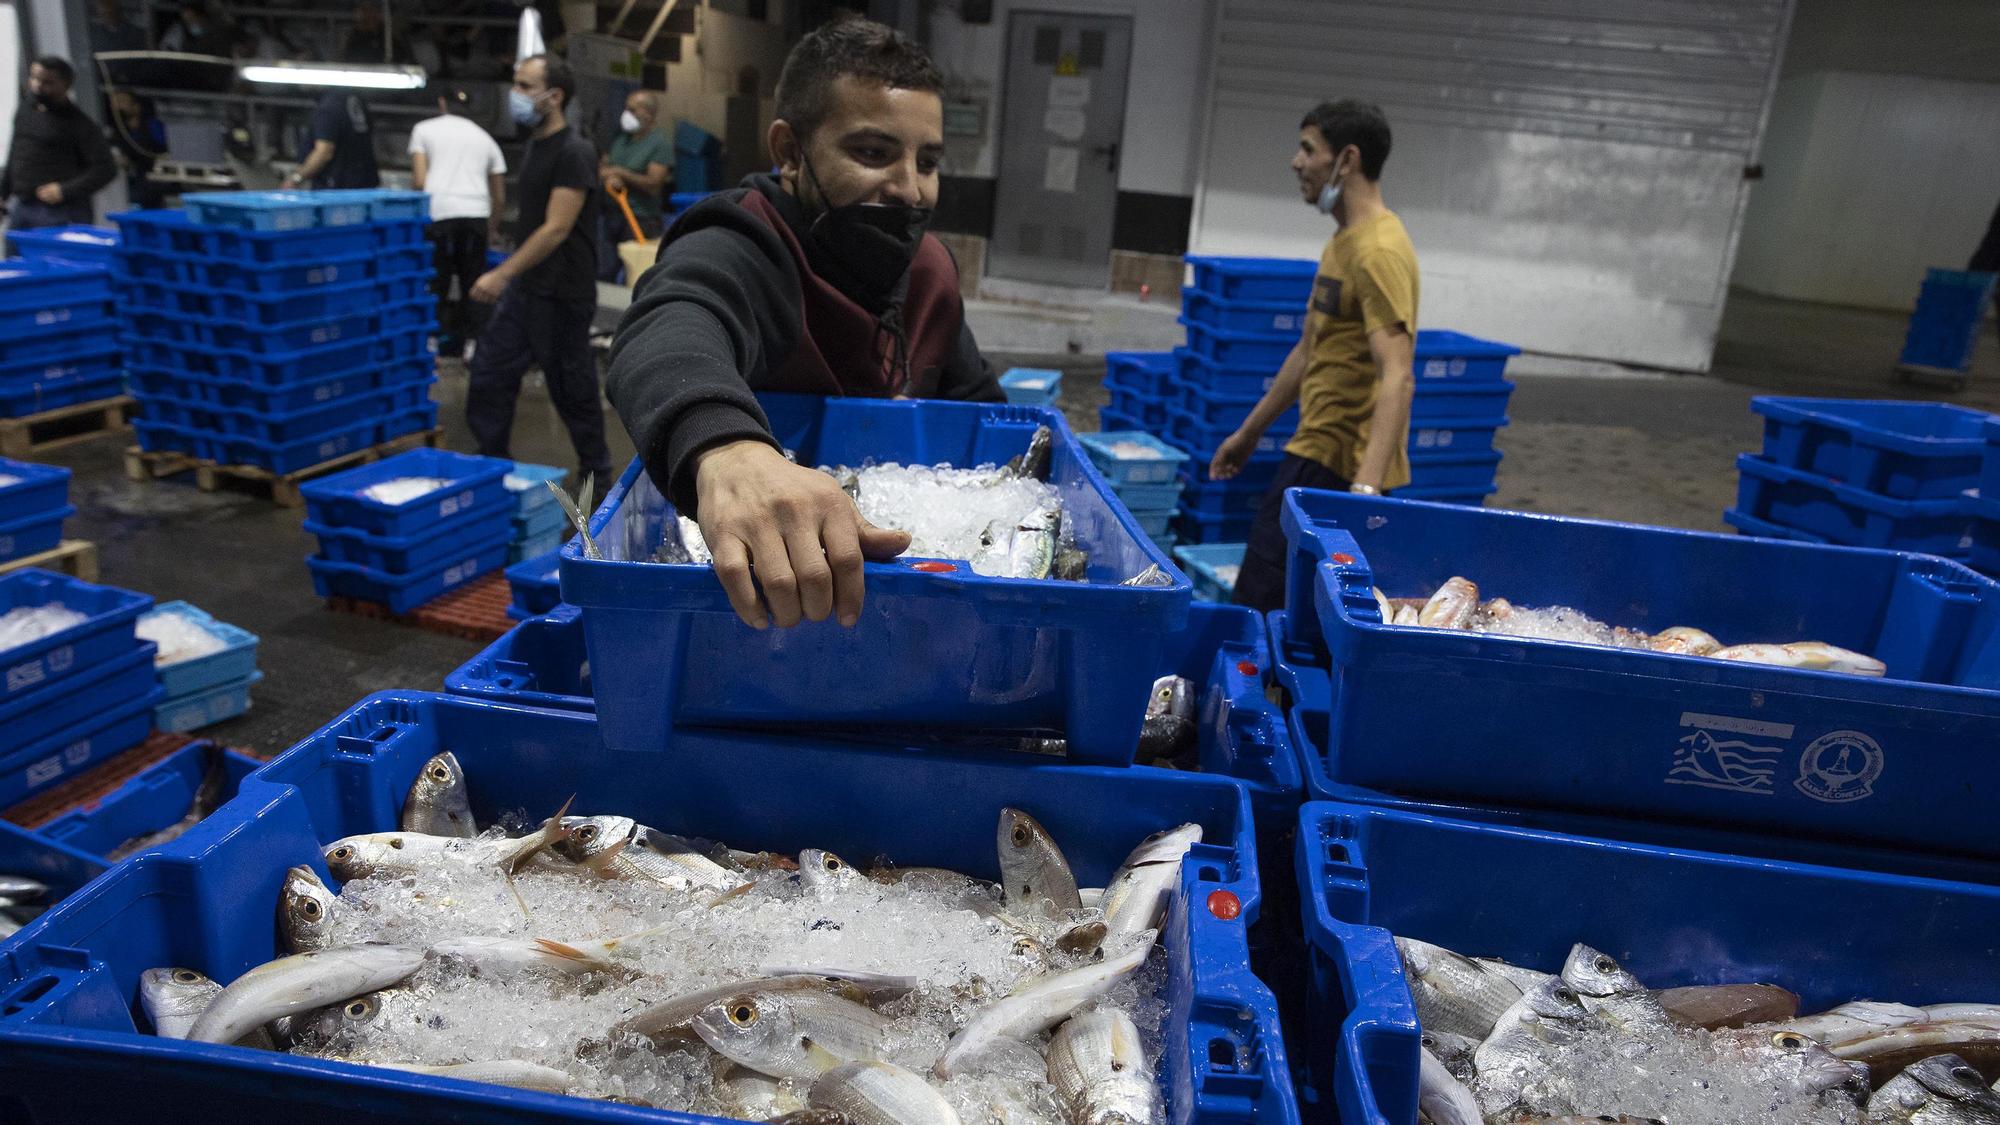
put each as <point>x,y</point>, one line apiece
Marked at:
<point>891,323</point>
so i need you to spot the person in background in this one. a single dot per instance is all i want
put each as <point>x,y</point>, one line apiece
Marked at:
<point>140,140</point>
<point>1986,259</point>
<point>1351,371</point>
<point>640,162</point>
<point>196,32</point>
<point>59,158</point>
<point>109,30</point>
<point>343,148</point>
<point>368,42</point>
<point>459,165</point>
<point>545,293</point>
<point>816,279</point>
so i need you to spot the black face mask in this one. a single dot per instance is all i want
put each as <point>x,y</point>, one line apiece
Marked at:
<point>44,100</point>
<point>873,243</point>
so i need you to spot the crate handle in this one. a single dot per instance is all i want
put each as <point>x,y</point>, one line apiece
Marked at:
<point>1234,1044</point>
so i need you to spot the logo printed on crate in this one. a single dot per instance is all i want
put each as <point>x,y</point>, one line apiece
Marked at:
<point>77,753</point>
<point>25,675</point>
<point>60,659</point>
<point>6,544</point>
<point>454,504</point>
<point>1735,764</point>
<point>1840,767</point>
<point>1433,439</point>
<point>48,769</point>
<point>330,391</point>
<point>461,572</point>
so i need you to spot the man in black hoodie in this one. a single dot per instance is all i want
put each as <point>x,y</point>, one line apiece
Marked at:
<point>60,158</point>
<point>816,280</point>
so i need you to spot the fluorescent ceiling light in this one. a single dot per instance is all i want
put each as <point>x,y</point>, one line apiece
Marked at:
<point>360,76</point>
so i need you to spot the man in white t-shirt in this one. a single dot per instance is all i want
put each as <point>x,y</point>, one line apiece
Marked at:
<point>459,166</point>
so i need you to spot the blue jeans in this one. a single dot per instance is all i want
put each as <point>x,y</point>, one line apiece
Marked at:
<point>30,213</point>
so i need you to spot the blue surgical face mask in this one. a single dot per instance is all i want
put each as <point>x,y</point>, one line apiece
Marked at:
<point>1329,195</point>
<point>523,109</point>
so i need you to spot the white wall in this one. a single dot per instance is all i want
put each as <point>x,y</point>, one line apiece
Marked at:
<point>1163,97</point>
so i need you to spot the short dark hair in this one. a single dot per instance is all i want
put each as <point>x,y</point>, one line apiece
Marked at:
<point>1357,123</point>
<point>58,66</point>
<point>559,76</point>
<point>456,98</point>
<point>853,46</point>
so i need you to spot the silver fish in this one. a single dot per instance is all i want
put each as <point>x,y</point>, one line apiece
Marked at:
<point>1545,1018</point>
<point>674,1017</point>
<point>1035,461</point>
<point>1607,988</point>
<point>1792,1062</point>
<point>754,1096</point>
<point>578,517</point>
<point>1685,640</point>
<point>1977,1041</point>
<point>792,1034</point>
<point>1455,993</point>
<point>1853,1020</point>
<point>1037,1005</point>
<point>1151,576</point>
<point>439,803</point>
<point>1453,1050</point>
<point>403,853</point>
<point>1035,875</point>
<point>208,796</point>
<point>305,911</point>
<point>21,888</point>
<point>1939,1090</point>
<point>1136,898</point>
<point>1452,606</point>
<point>871,1092</point>
<point>337,1024</point>
<point>617,847</point>
<point>513,1073</point>
<point>1172,695</point>
<point>174,999</point>
<point>1442,1098</point>
<point>501,956</point>
<point>1098,1068</point>
<point>1814,656</point>
<point>1032,553</point>
<point>820,868</point>
<point>300,983</point>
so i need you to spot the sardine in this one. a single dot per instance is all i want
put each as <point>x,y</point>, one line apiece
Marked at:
<point>1098,1068</point>
<point>1442,1098</point>
<point>439,803</point>
<point>404,853</point>
<point>801,1033</point>
<point>1684,639</point>
<point>1938,1090</point>
<point>1855,1019</point>
<point>1033,872</point>
<point>871,1092</point>
<point>513,1073</point>
<point>175,998</point>
<point>1455,993</point>
<point>305,911</point>
<point>1605,987</point>
<point>1151,576</point>
<point>674,1017</point>
<point>300,983</point>
<point>1814,656</point>
<point>1452,606</point>
<point>1136,898</point>
<point>1039,1004</point>
<point>1714,1006</point>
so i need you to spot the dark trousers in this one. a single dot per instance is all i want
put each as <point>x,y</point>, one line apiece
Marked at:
<point>1261,583</point>
<point>1986,259</point>
<point>29,213</point>
<point>458,253</point>
<point>553,332</point>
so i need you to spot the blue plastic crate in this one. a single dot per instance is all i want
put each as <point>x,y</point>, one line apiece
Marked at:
<point>1110,420</point>
<point>405,592</point>
<point>1457,357</point>
<point>1258,473</point>
<point>104,634</point>
<point>322,244</point>
<point>1764,529</point>
<point>35,489</point>
<point>549,519</point>
<point>157,798</point>
<point>157,437</point>
<point>1205,438</point>
<point>539,663</point>
<point>397,235</point>
<point>271,211</point>
<point>1703,918</point>
<point>108,730</point>
<point>1902,450</point>
<point>293,456</point>
<point>69,340</point>
<point>1454,470</point>
<point>1073,654</point>
<point>26,284</point>
<point>442,541</point>
<point>1200,561</point>
<point>276,369</point>
<point>32,717</point>
<point>528,483</point>
<point>381,205</point>
<point>149,383</point>
<point>413,377</point>
<point>145,325</point>
<point>1255,279</point>
<point>1239,349</point>
<point>340,500</point>
<point>536,583</point>
<point>75,244</point>
<point>289,335</point>
<point>1200,527</point>
<point>17,400</point>
<point>132,265</point>
<point>93,311</point>
<point>1635,734</point>
<point>1153,522</point>
<point>535,546</point>
<point>1436,402</point>
<point>1146,497</point>
<point>1138,371</point>
<point>207,707</point>
<point>168,231</point>
<point>280,278</point>
<point>1131,457</point>
<point>403,289</point>
<point>1842,513</point>
<point>1283,317</point>
<point>1944,328</point>
<point>1240,381</point>
<point>1463,435</point>
<point>418,315</point>
<point>1131,404</point>
<point>1224,1059</point>
<point>1448,494</point>
<point>1224,412</point>
<point>62,868</point>
<point>235,661</point>
<point>319,418</point>
<point>33,533</point>
<point>1032,386</point>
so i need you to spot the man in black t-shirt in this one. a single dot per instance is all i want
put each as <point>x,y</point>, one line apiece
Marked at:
<point>545,293</point>
<point>343,151</point>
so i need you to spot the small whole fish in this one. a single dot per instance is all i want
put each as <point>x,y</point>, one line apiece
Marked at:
<point>1854,1020</point>
<point>1098,1067</point>
<point>1452,606</point>
<point>578,511</point>
<point>871,1092</point>
<point>300,983</point>
<point>1793,1062</point>
<point>1036,460</point>
<point>674,1017</point>
<point>404,853</point>
<point>1442,1098</point>
<point>1034,873</point>
<point>1136,898</point>
<point>387,1007</point>
<point>513,1073</point>
<point>1168,730</point>
<point>801,1033</point>
<point>1452,1050</point>
<point>1382,605</point>
<point>305,911</point>
<point>1072,564</point>
<point>820,868</point>
<point>17,889</point>
<point>1815,656</point>
<point>1973,1040</point>
<point>1685,640</point>
<point>617,847</point>
<point>1939,1090</point>
<point>1032,554</point>
<point>1083,940</point>
<point>507,956</point>
<point>1037,1005</point>
<point>1605,987</point>
<point>174,998</point>
<point>1453,992</point>
<point>1151,576</point>
<point>1544,1020</point>
<point>439,803</point>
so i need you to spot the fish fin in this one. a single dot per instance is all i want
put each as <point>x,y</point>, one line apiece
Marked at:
<point>570,953</point>
<point>724,896</point>
<point>818,1057</point>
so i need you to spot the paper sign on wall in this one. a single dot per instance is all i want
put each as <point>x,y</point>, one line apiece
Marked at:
<point>1059,174</point>
<point>1065,123</point>
<point>1069,92</point>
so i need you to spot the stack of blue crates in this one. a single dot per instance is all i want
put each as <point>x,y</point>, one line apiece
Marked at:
<point>75,245</point>
<point>1144,472</point>
<point>34,502</point>
<point>1032,386</point>
<point>1863,473</point>
<point>1212,567</point>
<point>403,551</point>
<point>1944,327</point>
<point>58,335</point>
<point>202,689</point>
<point>279,329</point>
<point>1136,385</point>
<point>75,689</point>
<point>539,520</point>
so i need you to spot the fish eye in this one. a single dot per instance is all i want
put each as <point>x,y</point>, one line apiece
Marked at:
<point>341,854</point>
<point>187,976</point>
<point>1565,995</point>
<point>743,1015</point>
<point>439,773</point>
<point>831,862</point>
<point>1789,1040</point>
<point>1117,1066</point>
<point>356,1009</point>
<point>1024,945</point>
<point>309,907</point>
<point>396,843</point>
<point>1020,836</point>
<point>587,833</point>
<point>1606,964</point>
<point>1968,1076</point>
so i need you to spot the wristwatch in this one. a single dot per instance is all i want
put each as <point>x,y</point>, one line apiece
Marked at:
<point>1364,489</point>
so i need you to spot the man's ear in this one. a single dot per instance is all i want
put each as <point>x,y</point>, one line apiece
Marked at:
<point>785,152</point>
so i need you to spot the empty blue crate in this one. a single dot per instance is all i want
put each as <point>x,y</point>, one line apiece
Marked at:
<point>1439,402</point>
<point>1146,411</point>
<point>1139,371</point>
<point>1944,328</point>
<point>26,284</point>
<point>1255,279</point>
<point>105,632</point>
<point>1239,349</point>
<point>111,728</point>
<point>1235,381</point>
<point>290,457</point>
<point>95,311</point>
<point>668,650</point>
<point>1222,413</point>
<point>166,231</point>
<point>539,663</point>
<point>528,484</point>
<point>1147,497</point>
<point>55,864</point>
<point>405,592</point>
<point>1213,567</point>
<point>467,483</point>
<point>438,543</point>
<point>519,550</point>
<point>1642,736</point>
<point>1204,438</point>
<point>207,707</point>
<point>1201,527</point>
<point>549,519</point>
<point>1223,497</point>
<point>33,533</point>
<point>35,716</point>
<point>279,278</point>
<point>75,245</point>
<point>272,211</point>
<point>159,797</point>
<point>320,244</point>
<point>28,489</point>
<point>1842,513</point>
<point>1129,457</point>
<point>1461,435</point>
<point>1286,317</point>
<point>1455,356</point>
<point>1454,471</point>
<point>1032,386</point>
<point>1902,450</point>
<point>183,672</point>
<point>536,584</point>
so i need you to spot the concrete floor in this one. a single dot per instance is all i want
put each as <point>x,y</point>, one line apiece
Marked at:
<point>1647,448</point>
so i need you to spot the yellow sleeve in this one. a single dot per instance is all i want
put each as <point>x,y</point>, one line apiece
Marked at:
<point>1385,283</point>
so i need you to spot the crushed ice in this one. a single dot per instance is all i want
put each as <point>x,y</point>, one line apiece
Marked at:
<point>30,623</point>
<point>179,637</point>
<point>402,490</point>
<point>952,513</point>
<point>1556,623</point>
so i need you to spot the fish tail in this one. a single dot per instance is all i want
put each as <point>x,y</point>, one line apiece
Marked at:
<point>570,953</point>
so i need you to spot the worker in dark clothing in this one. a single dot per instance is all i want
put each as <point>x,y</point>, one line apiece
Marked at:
<point>141,139</point>
<point>59,159</point>
<point>343,149</point>
<point>545,293</point>
<point>1986,259</point>
<point>819,279</point>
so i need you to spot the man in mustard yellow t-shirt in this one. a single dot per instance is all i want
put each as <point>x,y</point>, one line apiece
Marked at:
<point>1350,372</point>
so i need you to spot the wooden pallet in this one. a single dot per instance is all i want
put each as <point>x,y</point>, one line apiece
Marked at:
<point>209,476</point>
<point>74,557</point>
<point>65,425</point>
<point>476,611</point>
